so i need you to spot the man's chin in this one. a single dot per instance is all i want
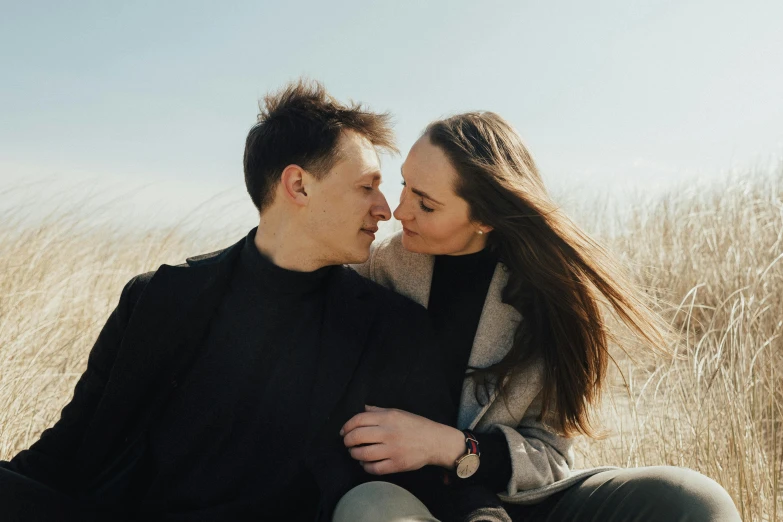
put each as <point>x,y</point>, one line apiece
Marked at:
<point>358,258</point>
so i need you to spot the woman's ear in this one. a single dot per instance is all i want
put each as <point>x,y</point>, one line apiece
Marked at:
<point>292,181</point>
<point>483,229</point>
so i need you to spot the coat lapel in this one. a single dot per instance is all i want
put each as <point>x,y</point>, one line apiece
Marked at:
<point>496,328</point>
<point>347,318</point>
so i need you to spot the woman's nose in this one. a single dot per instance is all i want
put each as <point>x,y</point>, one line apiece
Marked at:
<point>401,213</point>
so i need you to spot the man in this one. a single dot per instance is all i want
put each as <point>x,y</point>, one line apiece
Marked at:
<point>217,388</point>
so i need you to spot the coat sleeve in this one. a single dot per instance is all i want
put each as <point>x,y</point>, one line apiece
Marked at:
<point>539,455</point>
<point>50,458</point>
<point>519,458</point>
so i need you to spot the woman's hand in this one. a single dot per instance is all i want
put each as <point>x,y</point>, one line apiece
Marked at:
<point>390,441</point>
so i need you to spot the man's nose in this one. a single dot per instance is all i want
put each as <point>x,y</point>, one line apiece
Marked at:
<point>380,209</point>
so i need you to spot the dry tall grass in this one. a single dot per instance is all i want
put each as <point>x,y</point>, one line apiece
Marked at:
<point>712,258</point>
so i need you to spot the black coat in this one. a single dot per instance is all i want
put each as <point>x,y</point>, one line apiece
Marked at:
<point>377,348</point>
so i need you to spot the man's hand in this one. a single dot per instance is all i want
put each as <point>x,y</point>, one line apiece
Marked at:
<point>390,441</point>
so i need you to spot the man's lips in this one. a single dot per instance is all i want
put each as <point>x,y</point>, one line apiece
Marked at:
<point>370,231</point>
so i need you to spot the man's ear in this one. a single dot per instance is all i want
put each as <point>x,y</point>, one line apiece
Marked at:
<point>292,181</point>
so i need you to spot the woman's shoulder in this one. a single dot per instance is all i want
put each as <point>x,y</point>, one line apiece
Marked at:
<point>389,259</point>
<point>390,265</point>
<point>391,247</point>
<point>391,244</point>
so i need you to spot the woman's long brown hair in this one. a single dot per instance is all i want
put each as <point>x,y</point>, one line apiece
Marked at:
<point>558,275</point>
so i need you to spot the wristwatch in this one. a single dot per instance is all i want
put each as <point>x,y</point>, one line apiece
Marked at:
<point>469,462</point>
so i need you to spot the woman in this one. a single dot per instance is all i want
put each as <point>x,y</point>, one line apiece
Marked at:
<point>513,288</point>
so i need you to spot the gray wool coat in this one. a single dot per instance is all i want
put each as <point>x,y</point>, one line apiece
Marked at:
<point>541,460</point>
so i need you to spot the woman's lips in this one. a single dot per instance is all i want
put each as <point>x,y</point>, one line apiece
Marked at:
<point>409,233</point>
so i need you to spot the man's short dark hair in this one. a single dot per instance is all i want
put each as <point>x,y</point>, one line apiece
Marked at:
<point>301,125</point>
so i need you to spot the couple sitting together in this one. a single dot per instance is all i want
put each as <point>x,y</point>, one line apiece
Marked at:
<point>442,376</point>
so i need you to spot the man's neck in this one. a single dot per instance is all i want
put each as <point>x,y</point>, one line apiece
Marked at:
<point>286,245</point>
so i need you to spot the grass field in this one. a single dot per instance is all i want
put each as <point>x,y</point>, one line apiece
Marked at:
<point>710,255</point>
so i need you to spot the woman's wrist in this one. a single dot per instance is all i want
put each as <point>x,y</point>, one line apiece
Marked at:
<point>451,446</point>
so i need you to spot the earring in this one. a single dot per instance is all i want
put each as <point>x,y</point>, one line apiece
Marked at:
<point>481,232</point>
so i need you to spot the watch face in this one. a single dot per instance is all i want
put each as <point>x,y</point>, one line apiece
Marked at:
<point>468,465</point>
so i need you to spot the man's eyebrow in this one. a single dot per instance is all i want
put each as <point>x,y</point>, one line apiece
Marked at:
<point>376,176</point>
<point>422,193</point>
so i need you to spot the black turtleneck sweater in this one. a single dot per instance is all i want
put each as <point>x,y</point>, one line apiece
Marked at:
<point>457,295</point>
<point>230,444</point>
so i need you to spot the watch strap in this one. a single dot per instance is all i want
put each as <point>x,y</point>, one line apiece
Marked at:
<point>471,443</point>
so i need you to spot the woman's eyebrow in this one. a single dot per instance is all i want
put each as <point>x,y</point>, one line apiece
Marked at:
<point>422,193</point>
<point>425,195</point>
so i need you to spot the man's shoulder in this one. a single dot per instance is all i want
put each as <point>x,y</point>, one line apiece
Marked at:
<point>140,281</point>
<point>136,286</point>
<point>202,259</point>
<point>167,277</point>
<point>215,257</point>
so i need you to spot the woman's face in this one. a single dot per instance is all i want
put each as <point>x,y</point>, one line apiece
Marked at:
<point>434,219</point>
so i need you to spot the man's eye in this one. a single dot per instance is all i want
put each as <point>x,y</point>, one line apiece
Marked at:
<point>367,188</point>
<point>403,183</point>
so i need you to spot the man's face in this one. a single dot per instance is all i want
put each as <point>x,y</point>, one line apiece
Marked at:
<point>347,204</point>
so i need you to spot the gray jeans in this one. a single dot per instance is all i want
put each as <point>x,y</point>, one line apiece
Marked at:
<point>652,494</point>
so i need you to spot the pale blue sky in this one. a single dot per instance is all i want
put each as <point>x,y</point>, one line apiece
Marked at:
<point>606,93</point>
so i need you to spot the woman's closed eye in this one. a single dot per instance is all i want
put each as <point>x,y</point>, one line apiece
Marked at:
<point>422,206</point>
